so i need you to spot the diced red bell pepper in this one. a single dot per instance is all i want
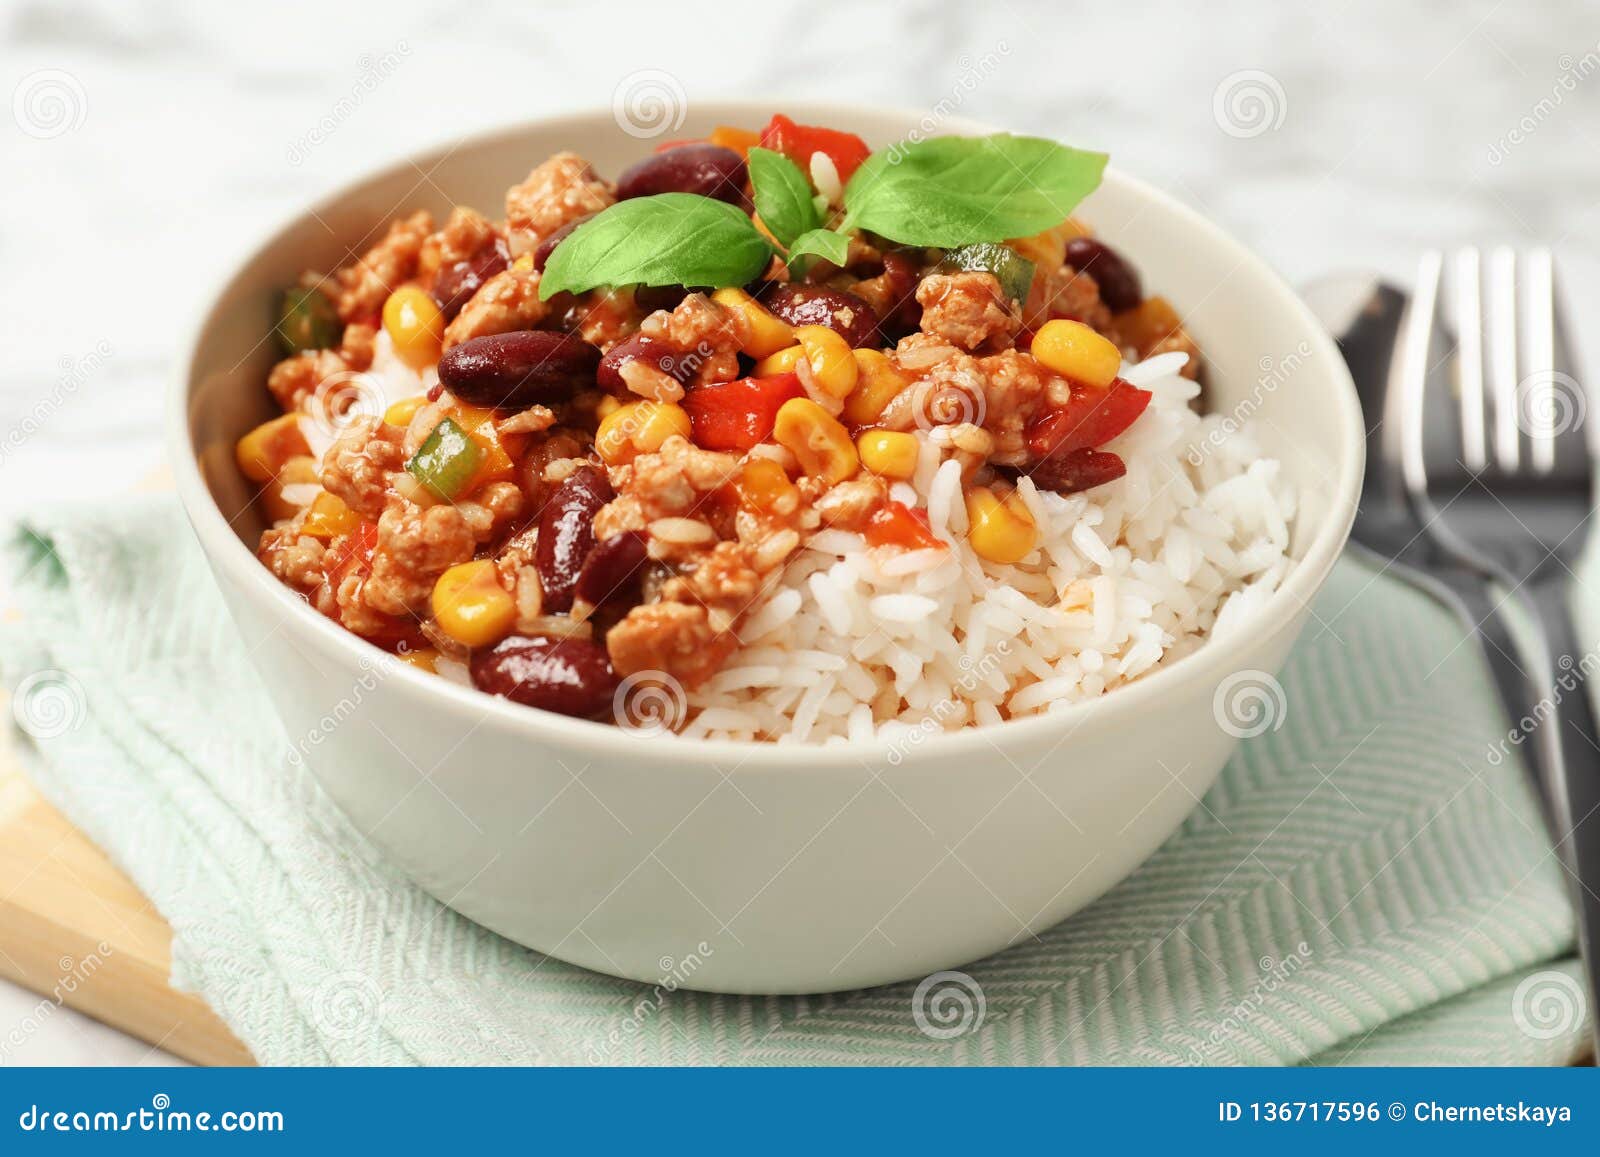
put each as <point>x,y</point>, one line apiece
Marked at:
<point>896,524</point>
<point>1077,470</point>
<point>798,142</point>
<point>738,415</point>
<point>1092,418</point>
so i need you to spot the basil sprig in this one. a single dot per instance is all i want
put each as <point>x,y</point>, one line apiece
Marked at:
<point>782,196</point>
<point>668,239</point>
<point>944,192</point>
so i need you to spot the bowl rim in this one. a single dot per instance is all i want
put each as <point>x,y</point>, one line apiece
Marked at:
<point>231,559</point>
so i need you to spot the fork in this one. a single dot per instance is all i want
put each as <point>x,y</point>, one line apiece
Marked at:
<point>1502,477</point>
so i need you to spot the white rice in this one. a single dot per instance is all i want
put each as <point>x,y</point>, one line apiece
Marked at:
<point>859,643</point>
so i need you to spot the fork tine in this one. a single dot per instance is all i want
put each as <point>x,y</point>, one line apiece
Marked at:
<point>1502,354</point>
<point>1408,388</point>
<point>1539,359</point>
<point>1469,358</point>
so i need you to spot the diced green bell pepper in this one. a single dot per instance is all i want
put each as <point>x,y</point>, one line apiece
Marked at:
<point>447,461</point>
<point>307,321</point>
<point>1011,269</point>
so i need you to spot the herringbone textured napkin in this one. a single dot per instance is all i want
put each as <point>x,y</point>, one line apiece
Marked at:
<point>1363,885</point>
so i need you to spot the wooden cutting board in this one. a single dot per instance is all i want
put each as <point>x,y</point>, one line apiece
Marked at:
<point>75,930</point>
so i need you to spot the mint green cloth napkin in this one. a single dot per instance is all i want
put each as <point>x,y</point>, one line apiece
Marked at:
<point>1363,885</point>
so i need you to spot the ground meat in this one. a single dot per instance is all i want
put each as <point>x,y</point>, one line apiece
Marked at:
<point>1002,393</point>
<point>295,559</point>
<point>415,546</point>
<point>690,632</point>
<point>507,301</point>
<point>294,380</point>
<point>849,504</point>
<point>674,482</point>
<point>967,310</point>
<point>533,420</point>
<point>1016,388</point>
<point>1064,292</point>
<point>606,316</point>
<point>462,236</point>
<point>356,468</point>
<point>1180,341</point>
<point>562,189</point>
<point>706,336</point>
<point>491,509</point>
<point>364,284</point>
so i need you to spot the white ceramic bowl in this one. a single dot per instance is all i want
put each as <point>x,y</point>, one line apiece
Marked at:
<point>773,869</point>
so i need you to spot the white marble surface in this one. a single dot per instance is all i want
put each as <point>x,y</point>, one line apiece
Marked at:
<point>181,130</point>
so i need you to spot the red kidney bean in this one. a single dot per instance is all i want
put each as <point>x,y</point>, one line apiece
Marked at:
<point>646,349</point>
<point>1077,470</point>
<point>566,534</point>
<point>567,676</point>
<point>844,313</point>
<point>542,251</point>
<point>611,572</point>
<point>709,170</point>
<point>903,273</point>
<point>1118,281</point>
<point>454,285</point>
<point>515,370</point>
<point>653,297</point>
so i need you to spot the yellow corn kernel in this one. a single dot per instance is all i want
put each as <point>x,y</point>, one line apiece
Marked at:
<point>888,454</point>
<point>329,517</point>
<point>414,325</point>
<point>833,365</point>
<point>1076,351</point>
<point>262,452</point>
<point>300,470</point>
<point>420,657</point>
<point>819,443</point>
<point>607,406</point>
<point>471,606</point>
<point>635,428</point>
<point>782,362</point>
<point>764,334</point>
<point>999,531</point>
<point>401,413</point>
<point>1072,228</point>
<point>523,264</point>
<point>877,383</point>
<point>763,485</point>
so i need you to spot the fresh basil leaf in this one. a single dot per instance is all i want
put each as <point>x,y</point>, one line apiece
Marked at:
<point>782,195</point>
<point>823,243</point>
<point>668,239</point>
<point>951,191</point>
